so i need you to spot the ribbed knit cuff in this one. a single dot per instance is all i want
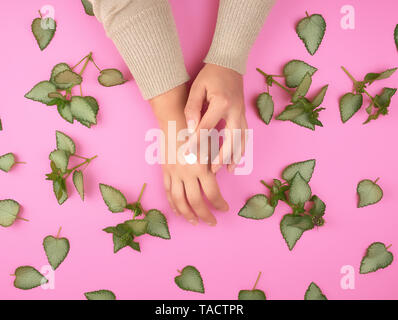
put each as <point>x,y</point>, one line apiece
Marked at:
<point>238,24</point>
<point>149,44</point>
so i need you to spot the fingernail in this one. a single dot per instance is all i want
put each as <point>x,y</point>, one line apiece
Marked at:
<point>193,222</point>
<point>212,223</point>
<point>191,126</point>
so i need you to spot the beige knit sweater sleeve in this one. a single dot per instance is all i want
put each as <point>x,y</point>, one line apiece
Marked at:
<point>145,34</point>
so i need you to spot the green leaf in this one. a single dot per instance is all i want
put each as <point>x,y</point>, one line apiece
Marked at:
<point>320,96</point>
<point>265,107</point>
<point>384,100</point>
<point>65,111</point>
<point>113,198</point>
<point>251,295</point>
<point>302,88</point>
<point>294,72</point>
<point>314,293</point>
<point>318,207</point>
<point>122,237</point>
<point>368,193</point>
<point>396,36</point>
<point>60,159</point>
<point>349,104</point>
<point>7,161</point>
<point>138,227</point>
<point>9,210</point>
<point>79,183</point>
<point>67,79</point>
<point>43,31</point>
<point>40,92</point>
<point>311,31</point>
<point>65,142</point>
<point>88,7</point>
<point>100,294</point>
<point>290,113</point>
<point>300,191</point>
<point>82,110</point>
<point>190,280</point>
<point>94,106</point>
<point>111,77</point>
<point>57,69</point>
<point>293,226</point>
<point>157,224</point>
<point>376,257</point>
<point>60,191</point>
<point>56,250</point>
<point>371,77</point>
<point>257,208</point>
<point>305,168</point>
<point>304,120</point>
<point>27,277</point>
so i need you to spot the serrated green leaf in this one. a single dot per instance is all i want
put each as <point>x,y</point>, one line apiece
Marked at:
<point>9,210</point>
<point>113,198</point>
<point>257,208</point>
<point>94,106</point>
<point>82,110</point>
<point>371,77</point>
<point>396,36</point>
<point>314,293</point>
<point>265,107</point>
<point>43,31</point>
<point>290,113</point>
<point>295,70</point>
<point>311,31</point>
<point>111,77</point>
<point>122,237</point>
<point>302,88</point>
<point>65,111</point>
<point>65,142</point>
<point>79,183</point>
<point>368,193</point>
<point>304,120</point>
<point>60,191</point>
<point>384,99</point>
<point>40,92</point>
<point>251,295</point>
<point>318,207</point>
<point>320,96</point>
<point>88,7</point>
<point>67,79</point>
<point>300,191</point>
<point>349,104</point>
<point>57,69</point>
<point>305,168</point>
<point>376,257</point>
<point>100,294</point>
<point>293,226</point>
<point>138,227</point>
<point>157,224</point>
<point>56,250</point>
<point>190,280</point>
<point>60,159</point>
<point>27,277</point>
<point>7,161</point>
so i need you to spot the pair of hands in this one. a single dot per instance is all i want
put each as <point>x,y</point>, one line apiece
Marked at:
<point>222,90</point>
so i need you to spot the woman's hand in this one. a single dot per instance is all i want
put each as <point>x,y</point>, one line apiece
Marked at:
<point>222,89</point>
<point>183,182</point>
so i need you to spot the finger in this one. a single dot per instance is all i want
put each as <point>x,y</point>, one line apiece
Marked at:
<point>167,187</point>
<point>212,191</point>
<point>195,199</point>
<point>224,156</point>
<point>194,106</point>
<point>178,196</point>
<point>239,144</point>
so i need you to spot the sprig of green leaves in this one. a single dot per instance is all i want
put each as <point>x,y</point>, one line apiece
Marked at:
<point>302,110</point>
<point>307,210</point>
<point>153,222</point>
<point>58,91</point>
<point>351,103</point>
<point>60,171</point>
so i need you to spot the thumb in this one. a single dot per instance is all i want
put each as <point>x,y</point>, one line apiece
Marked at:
<point>194,107</point>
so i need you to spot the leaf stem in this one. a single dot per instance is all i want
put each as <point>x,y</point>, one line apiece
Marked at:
<point>377,180</point>
<point>179,271</point>
<point>92,60</point>
<point>79,165</point>
<point>23,219</point>
<point>306,13</point>
<point>389,246</point>
<point>59,232</point>
<point>274,81</point>
<point>86,63</point>
<point>265,184</point>
<point>41,16</point>
<point>258,278</point>
<point>141,193</point>
<point>372,99</point>
<point>80,62</point>
<point>20,162</point>
<point>13,275</point>
<point>349,74</point>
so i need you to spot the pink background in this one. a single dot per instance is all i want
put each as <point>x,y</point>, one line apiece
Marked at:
<point>230,255</point>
